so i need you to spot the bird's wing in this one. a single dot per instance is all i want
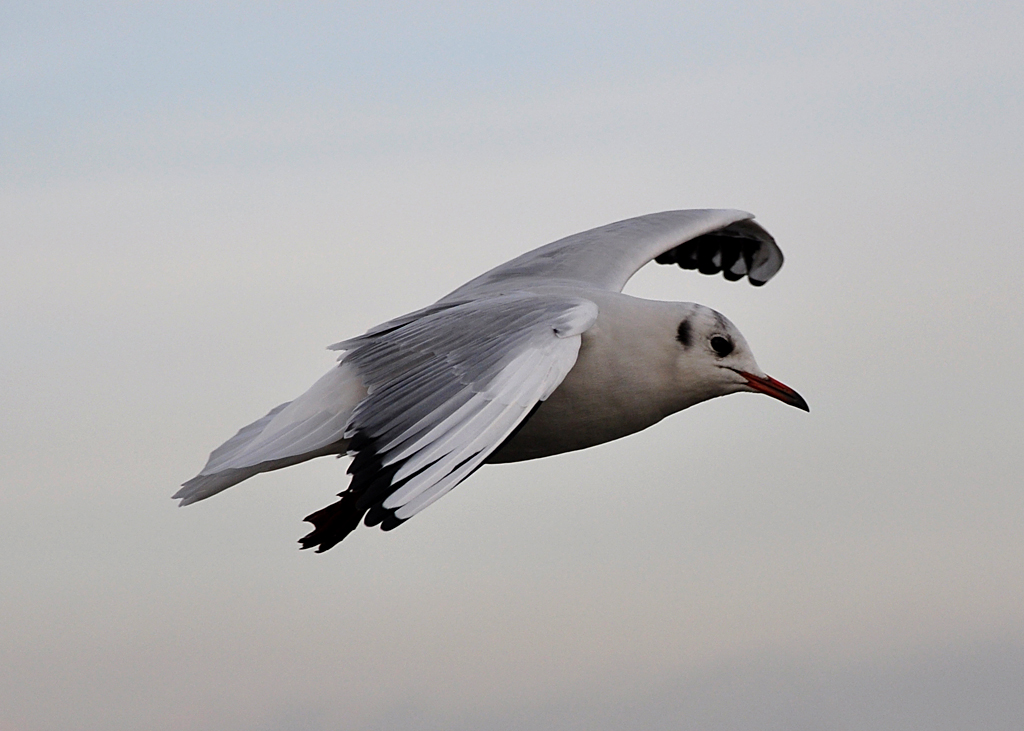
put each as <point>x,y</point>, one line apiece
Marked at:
<point>710,241</point>
<point>444,391</point>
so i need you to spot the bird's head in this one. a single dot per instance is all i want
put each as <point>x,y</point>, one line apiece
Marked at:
<point>714,359</point>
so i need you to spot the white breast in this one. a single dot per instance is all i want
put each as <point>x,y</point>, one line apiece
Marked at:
<point>624,381</point>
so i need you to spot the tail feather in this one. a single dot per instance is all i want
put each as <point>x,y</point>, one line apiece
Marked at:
<point>203,486</point>
<point>234,447</point>
<point>313,425</point>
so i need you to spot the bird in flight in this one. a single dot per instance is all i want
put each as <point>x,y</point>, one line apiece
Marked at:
<point>538,356</point>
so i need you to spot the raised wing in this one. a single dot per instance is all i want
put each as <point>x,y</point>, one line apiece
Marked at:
<point>707,240</point>
<point>444,391</point>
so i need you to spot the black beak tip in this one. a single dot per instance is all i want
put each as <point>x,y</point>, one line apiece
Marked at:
<point>776,389</point>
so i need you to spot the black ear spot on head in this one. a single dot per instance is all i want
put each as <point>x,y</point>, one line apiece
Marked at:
<point>721,346</point>
<point>683,335</point>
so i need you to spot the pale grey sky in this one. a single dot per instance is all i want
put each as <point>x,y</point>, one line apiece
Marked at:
<point>196,200</point>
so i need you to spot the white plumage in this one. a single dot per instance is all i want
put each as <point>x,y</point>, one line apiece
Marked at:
<point>424,400</point>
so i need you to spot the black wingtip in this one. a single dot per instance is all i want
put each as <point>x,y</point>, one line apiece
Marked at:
<point>741,249</point>
<point>332,524</point>
<point>371,483</point>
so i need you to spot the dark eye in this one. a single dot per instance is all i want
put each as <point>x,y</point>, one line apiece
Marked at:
<point>721,346</point>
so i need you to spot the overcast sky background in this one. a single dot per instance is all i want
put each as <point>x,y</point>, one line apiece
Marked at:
<point>197,198</point>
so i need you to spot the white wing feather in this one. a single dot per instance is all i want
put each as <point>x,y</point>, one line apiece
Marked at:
<point>493,359</point>
<point>606,257</point>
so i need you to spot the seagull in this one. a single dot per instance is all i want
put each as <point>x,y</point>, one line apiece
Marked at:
<point>538,356</point>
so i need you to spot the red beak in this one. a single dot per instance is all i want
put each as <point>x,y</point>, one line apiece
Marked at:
<point>776,389</point>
